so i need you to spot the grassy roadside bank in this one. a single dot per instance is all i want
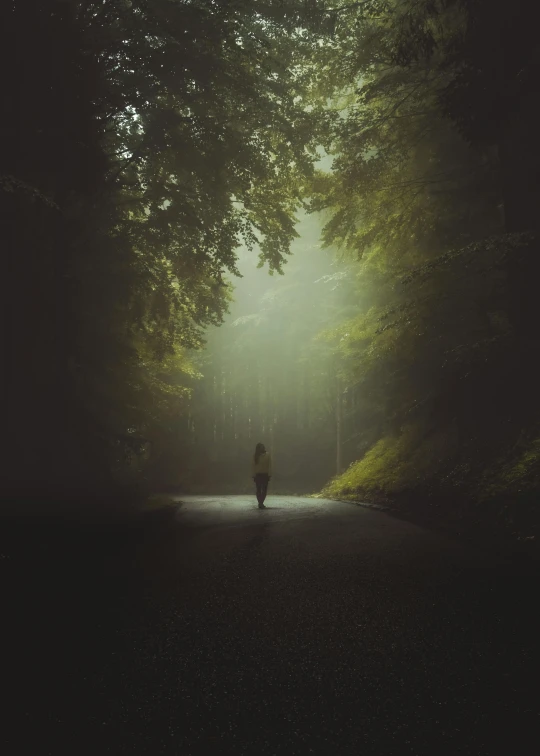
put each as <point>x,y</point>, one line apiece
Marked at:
<point>478,488</point>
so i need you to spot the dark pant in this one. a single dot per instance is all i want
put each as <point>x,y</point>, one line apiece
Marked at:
<point>261,481</point>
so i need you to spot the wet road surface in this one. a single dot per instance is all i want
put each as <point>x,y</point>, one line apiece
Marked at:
<point>311,627</point>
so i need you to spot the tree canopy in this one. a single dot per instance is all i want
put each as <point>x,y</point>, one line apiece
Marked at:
<point>156,143</point>
<point>153,138</point>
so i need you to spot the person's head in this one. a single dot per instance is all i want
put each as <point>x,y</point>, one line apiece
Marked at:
<point>259,449</point>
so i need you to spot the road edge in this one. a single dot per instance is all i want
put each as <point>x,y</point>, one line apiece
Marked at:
<point>498,540</point>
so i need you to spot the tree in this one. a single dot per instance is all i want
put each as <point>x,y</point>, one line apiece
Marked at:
<point>417,201</point>
<point>277,381</point>
<point>162,135</point>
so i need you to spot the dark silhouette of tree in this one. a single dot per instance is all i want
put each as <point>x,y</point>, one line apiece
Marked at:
<point>143,141</point>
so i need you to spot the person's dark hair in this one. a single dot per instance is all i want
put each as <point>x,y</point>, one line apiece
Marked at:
<point>259,449</point>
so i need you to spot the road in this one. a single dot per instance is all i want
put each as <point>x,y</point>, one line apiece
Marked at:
<point>311,627</point>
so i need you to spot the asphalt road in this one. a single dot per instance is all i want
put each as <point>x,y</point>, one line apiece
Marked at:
<point>312,627</point>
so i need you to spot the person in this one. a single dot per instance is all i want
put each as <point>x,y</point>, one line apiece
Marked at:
<point>262,471</point>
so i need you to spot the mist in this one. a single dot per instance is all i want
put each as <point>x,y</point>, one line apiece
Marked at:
<point>268,375</point>
<point>270,351</point>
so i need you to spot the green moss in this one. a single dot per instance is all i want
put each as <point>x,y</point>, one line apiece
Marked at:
<point>517,472</point>
<point>395,463</point>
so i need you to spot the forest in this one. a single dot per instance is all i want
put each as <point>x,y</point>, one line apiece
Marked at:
<point>310,223</point>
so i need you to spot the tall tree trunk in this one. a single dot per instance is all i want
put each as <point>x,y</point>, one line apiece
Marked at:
<point>306,404</point>
<point>339,429</point>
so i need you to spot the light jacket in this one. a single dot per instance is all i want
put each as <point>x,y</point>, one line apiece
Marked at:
<point>264,465</point>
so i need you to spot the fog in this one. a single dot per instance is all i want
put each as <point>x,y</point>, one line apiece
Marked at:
<point>269,376</point>
<point>371,170</point>
<point>381,363</point>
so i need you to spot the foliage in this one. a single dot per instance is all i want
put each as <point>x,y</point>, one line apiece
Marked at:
<point>156,141</point>
<point>423,187</point>
<point>515,472</point>
<point>395,463</point>
<point>153,138</point>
